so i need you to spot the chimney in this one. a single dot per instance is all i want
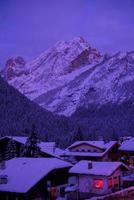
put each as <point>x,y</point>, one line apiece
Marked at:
<point>90,165</point>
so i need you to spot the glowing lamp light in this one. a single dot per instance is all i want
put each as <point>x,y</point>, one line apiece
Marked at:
<point>98,184</point>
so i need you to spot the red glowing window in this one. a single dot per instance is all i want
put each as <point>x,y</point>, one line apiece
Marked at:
<point>116,181</point>
<point>53,191</point>
<point>110,183</point>
<point>98,183</point>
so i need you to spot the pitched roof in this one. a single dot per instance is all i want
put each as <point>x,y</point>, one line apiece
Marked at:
<point>20,139</point>
<point>98,144</point>
<point>127,145</point>
<point>106,147</point>
<point>98,168</point>
<point>24,173</point>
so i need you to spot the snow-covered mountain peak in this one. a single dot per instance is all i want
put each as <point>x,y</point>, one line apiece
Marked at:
<point>47,70</point>
<point>72,74</point>
<point>14,67</point>
<point>65,56</point>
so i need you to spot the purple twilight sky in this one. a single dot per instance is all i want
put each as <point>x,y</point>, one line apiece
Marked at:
<point>28,27</point>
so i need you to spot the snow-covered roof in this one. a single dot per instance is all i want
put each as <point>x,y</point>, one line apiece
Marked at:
<point>98,168</point>
<point>46,147</point>
<point>24,173</point>
<point>127,145</point>
<point>98,144</point>
<point>49,147</point>
<point>20,139</point>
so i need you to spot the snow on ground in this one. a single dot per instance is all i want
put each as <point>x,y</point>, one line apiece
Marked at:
<point>125,194</point>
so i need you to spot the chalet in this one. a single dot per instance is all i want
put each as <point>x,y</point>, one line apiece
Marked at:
<point>126,151</point>
<point>48,149</point>
<point>90,178</point>
<point>91,150</point>
<point>33,178</point>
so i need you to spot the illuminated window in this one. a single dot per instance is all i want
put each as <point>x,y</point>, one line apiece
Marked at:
<point>116,181</point>
<point>98,183</point>
<point>53,191</point>
<point>109,183</point>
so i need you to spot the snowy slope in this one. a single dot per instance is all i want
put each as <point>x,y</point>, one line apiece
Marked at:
<point>73,74</point>
<point>110,81</point>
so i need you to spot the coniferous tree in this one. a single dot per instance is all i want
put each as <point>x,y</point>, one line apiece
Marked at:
<point>77,135</point>
<point>2,162</point>
<point>31,148</point>
<point>46,137</point>
<point>11,150</point>
<point>1,158</point>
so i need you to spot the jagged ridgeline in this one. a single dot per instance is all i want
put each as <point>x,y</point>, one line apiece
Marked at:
<point>71,75</point>
<point>94,91</point>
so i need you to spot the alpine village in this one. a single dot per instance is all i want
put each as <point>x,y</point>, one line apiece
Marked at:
<point>31,169</point>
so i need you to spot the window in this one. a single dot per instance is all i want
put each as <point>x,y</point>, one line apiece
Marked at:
<point>83,150</point>
<point>53,191</point>
<point>98,183</point>
<point>116,181</point>
<point>110,183</point>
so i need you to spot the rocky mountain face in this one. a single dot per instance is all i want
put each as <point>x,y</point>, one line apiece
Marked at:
<point>54,68</point>
<point>71,75</point>
<point>15,67</point>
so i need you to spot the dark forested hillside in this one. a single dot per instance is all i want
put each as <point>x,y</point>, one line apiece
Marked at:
<point>17,113</point>
<point>109,120</point>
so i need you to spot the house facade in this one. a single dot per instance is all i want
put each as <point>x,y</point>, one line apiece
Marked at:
<point>91,150</point>
<point>94,178</point>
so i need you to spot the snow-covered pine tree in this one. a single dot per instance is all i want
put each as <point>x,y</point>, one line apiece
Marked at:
<point>31,148</point>
<point>11,150</point>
